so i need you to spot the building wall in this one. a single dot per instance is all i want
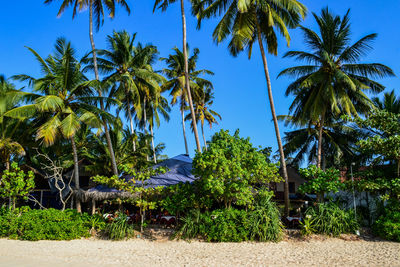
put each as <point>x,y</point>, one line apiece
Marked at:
<point>294,177</point>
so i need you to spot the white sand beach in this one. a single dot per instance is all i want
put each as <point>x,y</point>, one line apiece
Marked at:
<point>329,252</point>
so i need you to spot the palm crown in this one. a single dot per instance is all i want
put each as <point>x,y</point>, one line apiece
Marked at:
<point>244,19</point>
<point>99,7</point>
<point>333,78</point>
<point>63,96</point>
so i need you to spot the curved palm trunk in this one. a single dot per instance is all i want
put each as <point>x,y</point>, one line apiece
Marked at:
<point>96,72</point>
<point>278,136</point>
<point>184,132</point>
<point>204,138</point>
<point>76,173</point>
<point>132,131</point>
<point>152,144</point>
<point>187,85</point>
<point>320,133</point>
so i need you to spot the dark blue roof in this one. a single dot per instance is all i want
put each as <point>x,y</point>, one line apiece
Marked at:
<point>179,171</point>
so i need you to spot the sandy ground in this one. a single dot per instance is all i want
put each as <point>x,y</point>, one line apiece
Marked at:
<point>330,252</point>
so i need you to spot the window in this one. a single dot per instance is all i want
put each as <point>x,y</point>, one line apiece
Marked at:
<point>292,188</point>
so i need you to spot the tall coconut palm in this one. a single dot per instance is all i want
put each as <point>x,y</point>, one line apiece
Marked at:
<point>129,68</point>
<point>96,9</point>
<point>204,113</point>
<point>334,80</point>
<point>390,102</point>
<point>175,72</point>
<point>163,5</point>
<point>249,22</point>
<point>62,101</point>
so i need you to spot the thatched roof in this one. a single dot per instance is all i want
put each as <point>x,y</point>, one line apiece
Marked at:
<point>99,194</point>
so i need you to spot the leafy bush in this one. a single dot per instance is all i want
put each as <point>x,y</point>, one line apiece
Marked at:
<point>50,224</point>
<point>231,167</point>
<point>227,225</point>
<point>329,219</point>
<point>119,228</point>
<point>178,199</point>
<point>320,181</point>
<point>15,183</point>
<point>388,225</point>
<point>264,221</point>
<point>192,225</point>
<point>234,225</point>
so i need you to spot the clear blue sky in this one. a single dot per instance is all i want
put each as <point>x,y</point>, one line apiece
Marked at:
<point>240,88</point>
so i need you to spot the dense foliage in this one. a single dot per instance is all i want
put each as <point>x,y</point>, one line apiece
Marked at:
<point>63,108</point>
<point>320,181</point>
<point>50,224</point>
<point>329,219</point>
<point>388,224</point>
<point>233,225</point>
<point>15,183</point>
<point>119,228</point>
<point>141,195</point>
<point>230,169</point>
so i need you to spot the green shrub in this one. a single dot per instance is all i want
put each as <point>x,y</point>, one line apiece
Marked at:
<point>227,225</point>
<point>192,225</point>
<point>119,228</point>
<point>50,224</point>
<point>388,225</point>
<point>264,221</point>
<point>230,168</point>
<point>232,225</point>
<point>329,219</point>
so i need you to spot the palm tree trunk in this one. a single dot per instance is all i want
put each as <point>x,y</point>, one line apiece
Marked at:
<point>184,132</point>
<point>10,204</point>
<point>204,138</point>
<point>320,133</point>
<point>96,72</point>
<point>145,123</point>
<point>7,164</point>
<point>278,136</point>
<point>76,173</point>
<point>132,131</point>
<point>152,144</point>
<point>187,85</point>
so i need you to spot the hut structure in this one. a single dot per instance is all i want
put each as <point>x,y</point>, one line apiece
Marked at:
<point>179,170</point>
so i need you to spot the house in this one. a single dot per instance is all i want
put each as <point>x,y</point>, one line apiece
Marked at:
<point>295,180</point>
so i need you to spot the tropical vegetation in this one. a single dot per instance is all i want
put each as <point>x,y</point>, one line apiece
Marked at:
<point>92,121</point>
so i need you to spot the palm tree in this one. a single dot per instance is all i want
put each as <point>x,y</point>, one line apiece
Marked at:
<point>163,5</point>
<point>154,108</point>
<point>9,141</point>
<point>96,9</point>
<point>390,102</point>
<point>204,111</point>
<point>175,72</point>
<point>96,150</point>
<point>248,22</point>
<point>333,80</point>
<point>129,69</point>
<point>62,102</point>
<point>339,141</point>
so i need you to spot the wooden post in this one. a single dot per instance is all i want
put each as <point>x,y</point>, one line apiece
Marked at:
<point>72,202</point>
<point>41,199</point>
<point>93,206</point>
